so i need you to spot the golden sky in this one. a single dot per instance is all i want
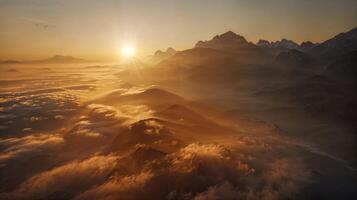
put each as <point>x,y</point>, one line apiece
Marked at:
<point>34,29</point>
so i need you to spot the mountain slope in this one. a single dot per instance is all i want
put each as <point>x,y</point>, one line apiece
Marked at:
<point>344,69</point>
<point>337,46</point>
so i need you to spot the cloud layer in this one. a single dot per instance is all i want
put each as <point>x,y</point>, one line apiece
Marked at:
<point>139,150</point>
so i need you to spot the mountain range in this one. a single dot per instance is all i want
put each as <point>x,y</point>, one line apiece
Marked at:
<point>229,60</point>
<point>264,50</point>
<point>284,43</point>
<point>56,59</point>
<point>61,59</point>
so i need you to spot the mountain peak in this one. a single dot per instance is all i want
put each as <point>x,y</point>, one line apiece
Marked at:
<point>158,52</point>
<point>284,43</point>
<point>306,46</point>
<point>160,55</point>
<point>226,41</point>
<point>263,43</point>
<point>171,50</point>
<point>229,36</point>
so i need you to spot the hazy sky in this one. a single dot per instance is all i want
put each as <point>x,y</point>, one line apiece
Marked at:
<point>96,29</point>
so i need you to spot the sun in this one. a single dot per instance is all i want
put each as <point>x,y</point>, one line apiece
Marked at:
<point>128,51</point>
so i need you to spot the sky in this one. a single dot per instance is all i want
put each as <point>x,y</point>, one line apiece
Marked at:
<point>97,29</point>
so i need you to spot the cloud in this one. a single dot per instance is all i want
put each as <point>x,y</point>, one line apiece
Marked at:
<point>100,121</point>
<point>149,132</point>
<point>104,113</point>
<point>37,109</point>
<point>133,90</point>
<point>117,188</point>
<point>105,155</point>
<point>17,148</point>
<point>137,112</point>
<point>214,159</point>
<point>69,178</point>
<point>223,191</point>
<point>285,177</point>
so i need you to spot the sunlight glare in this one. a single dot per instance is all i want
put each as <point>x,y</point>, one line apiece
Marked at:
<point>128,51</point>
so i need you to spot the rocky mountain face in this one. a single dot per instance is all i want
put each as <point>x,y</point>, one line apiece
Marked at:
<point>228,41</point>
<point>237,45</point>
<point>335,47</point>
<point>229,59</point>
<point>294,58</point>
<point>284,43</point>
<point>326,52</point>
<point>344,69</point>
<point>307,46</point>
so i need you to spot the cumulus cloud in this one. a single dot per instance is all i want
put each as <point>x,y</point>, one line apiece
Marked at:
<point>117,188</point>
<point>199,171</point>
<point>69,178</point>
<point>284,178</point>
<point>133,90</point>
<point>213,159</point>
<point>223,191</point>
<point>137,112</point>
<point>188,158</point>
<point>15,148</point>
<point>101,112</point>
<point>100,121</point>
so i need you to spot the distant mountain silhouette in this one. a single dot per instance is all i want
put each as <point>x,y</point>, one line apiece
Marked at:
<point>183,62</point>
<point>284,43</point>
<point>337,46</point>
<point>307,46</point>
<point>170,51</point>
<point>10,62</point>
<point>235,44</point>
<point>279,46</point>
<point>227,41</point>
<point>327,51</point>
<point>162,55</point>
<point>294,58</point>
<point>61,59</point>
